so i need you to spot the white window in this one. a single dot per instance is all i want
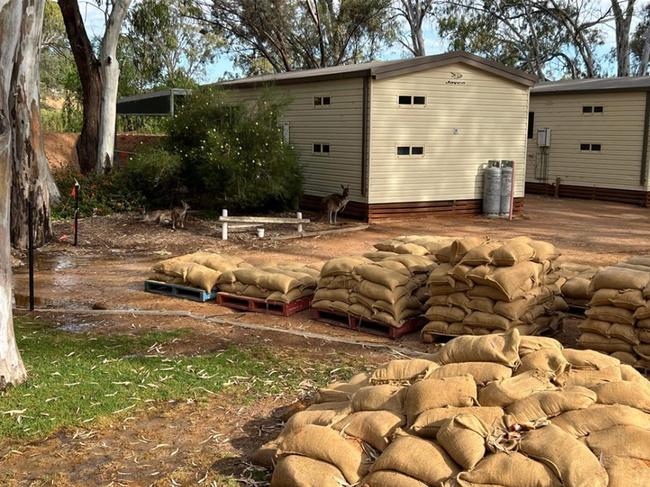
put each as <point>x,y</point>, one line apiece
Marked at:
<point>323,149</point>
<point>322,101</point>
<point>410,150</point>
<point>412,100</point>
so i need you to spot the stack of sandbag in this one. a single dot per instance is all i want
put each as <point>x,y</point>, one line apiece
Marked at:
<point>618,314</point>
<point>483,286</point>
<point>200,269</point>
<point>390,289</point>
<point>284,283</point>
<point>336,283</point>
<point>497,410</point>
<point>426,245</point>
<point>575,290</point>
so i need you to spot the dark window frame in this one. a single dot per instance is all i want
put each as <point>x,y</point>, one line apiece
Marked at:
<point>585,147</point>
<point>531,125</point>
<point>402,147</point>
<point>321,148</point>
<point>599,109</point>
<point>587,109</point>
<point>419,149</point>
<point>401,100</point>
<point>596,147</point>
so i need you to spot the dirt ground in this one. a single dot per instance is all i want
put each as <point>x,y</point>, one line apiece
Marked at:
<point>107,269</point>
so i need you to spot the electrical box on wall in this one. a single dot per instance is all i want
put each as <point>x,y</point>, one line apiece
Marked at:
<point>544,137</point>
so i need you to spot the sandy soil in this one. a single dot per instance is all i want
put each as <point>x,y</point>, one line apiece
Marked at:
<point>107,269</point>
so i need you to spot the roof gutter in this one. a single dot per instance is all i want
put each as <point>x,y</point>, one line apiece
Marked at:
<point>643,179</point>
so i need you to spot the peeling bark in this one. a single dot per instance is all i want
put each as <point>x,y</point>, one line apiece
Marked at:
<point>12,370</point>
<point>32,179</point>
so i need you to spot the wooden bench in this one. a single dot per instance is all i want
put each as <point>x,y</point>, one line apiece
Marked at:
<point>259,220</point>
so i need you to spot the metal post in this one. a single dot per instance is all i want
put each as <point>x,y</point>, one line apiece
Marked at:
<point>30,247</point>
<point>512,193</point>
<point>77,190</point>
<point>224,225</point>
<point>299,216</point>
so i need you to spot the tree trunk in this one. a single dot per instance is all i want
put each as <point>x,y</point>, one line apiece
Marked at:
<point>110,76</point>
<point>32,179</point>
<point>645,54</point>
<point>623,22</point>
<point>12,13</point>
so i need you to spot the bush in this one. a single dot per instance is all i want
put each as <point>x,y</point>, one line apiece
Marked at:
<point>155,174</point>
<point>100,194</point>
<point>235,153</point>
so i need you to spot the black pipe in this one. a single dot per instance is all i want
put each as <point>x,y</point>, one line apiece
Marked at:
<point>30,239</point>
<point>77,189</point>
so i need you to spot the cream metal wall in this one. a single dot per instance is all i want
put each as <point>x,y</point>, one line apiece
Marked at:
<point>339,125</point>
<point>470,116</point>
<point>618,130</point>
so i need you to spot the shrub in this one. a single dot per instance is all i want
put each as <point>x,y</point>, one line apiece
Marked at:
<point>155,174</point>
<point>100,194</point>
<point>235,152</point>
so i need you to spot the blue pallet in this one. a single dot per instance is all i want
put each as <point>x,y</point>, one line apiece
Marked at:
<point>179,291</point>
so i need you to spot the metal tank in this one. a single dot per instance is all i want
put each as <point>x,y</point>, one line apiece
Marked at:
<point>506,189</point>
<point>492,189</point>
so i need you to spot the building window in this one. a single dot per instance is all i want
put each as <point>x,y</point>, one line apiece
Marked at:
<point>531,124</point>
<point>405,150</point>
<point>593,109</point>
<point>587,109</point>
<point>320,101</point>
<point>591,147</point>
<point>412,100</point>
<point>599,109</point>
<point>321,148</point>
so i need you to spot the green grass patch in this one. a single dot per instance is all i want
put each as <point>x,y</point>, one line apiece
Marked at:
<point>80,379</point>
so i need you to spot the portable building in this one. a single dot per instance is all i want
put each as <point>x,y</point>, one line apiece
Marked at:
<point>589,139</point>
<point>408,137</point>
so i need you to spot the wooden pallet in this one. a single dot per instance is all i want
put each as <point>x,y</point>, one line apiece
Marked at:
<point>259,305</point>
<point>178,291</point>
<point>365,325</point>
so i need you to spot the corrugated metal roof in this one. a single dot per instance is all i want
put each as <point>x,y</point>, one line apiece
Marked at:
<point>383,69</point>
<point>635,83</point>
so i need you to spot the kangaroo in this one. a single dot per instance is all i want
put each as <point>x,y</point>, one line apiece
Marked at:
<point>335,203</point>
<point>179,214</point>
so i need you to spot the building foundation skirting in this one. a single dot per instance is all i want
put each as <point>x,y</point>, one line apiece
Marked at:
<point>630,196</point>
<point>384,211</point>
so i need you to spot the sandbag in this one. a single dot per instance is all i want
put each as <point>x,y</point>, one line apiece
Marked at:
<point>489,321</point>
<point>511,253</point>
<point>544,251</point>
<point>379,292</point>
<point>619,278</point>
<point>603,343</point>
<point>499,348</point>
<point>435,393</point>
<point>429,422</point>
<point>374,427</point>
<point>577,288</point>
<point>481,254</point>
<point>265,455</point>
<point>388,478</point>
<point>342,295</point>
<point>629,373</point>
<point>415,263</point>
<point>481,372</point>
<point>589,377</point>
<point>629,299</point>
<point>625,440</point>
<point>486,305</point>
<point>385,397</point>
<point>378,255</point>
<point>627,333</point>
<point>498,295</point>
<point>599,417</point>
<point>342,265</point>
<point>411,248</point>
<point>417,458</point>
<point>303,418</point>
<point>449,314</point>
<point>506,391</point>
<point>642,313</point>
<point>589,359</point>
<point>402,371</point>
<point>325,444</point>
<point>461,246</point>
<point>548,360</point>
<point>440,275</point>
<point>548,404</point>
<point>611,314</point>
<point>628,358</point>
<point>626,472</point>
<point>633,394</point>
<point>388,278</point>
<point>509,470</point>
<point>459,300</point>
<point>517,308</point>
<point>342,391</point>
<point>463,438</point>
<point>509,280</point>
<point>530,344</point>
<point>301,471</point>
<point>571,461</point>
<point>441,328</point>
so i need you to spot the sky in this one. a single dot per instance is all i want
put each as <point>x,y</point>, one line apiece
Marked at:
<point>94,20</point>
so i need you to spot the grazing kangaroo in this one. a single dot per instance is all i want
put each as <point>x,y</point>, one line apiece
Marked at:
<point>175,216</point>
<point>335,203</point>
